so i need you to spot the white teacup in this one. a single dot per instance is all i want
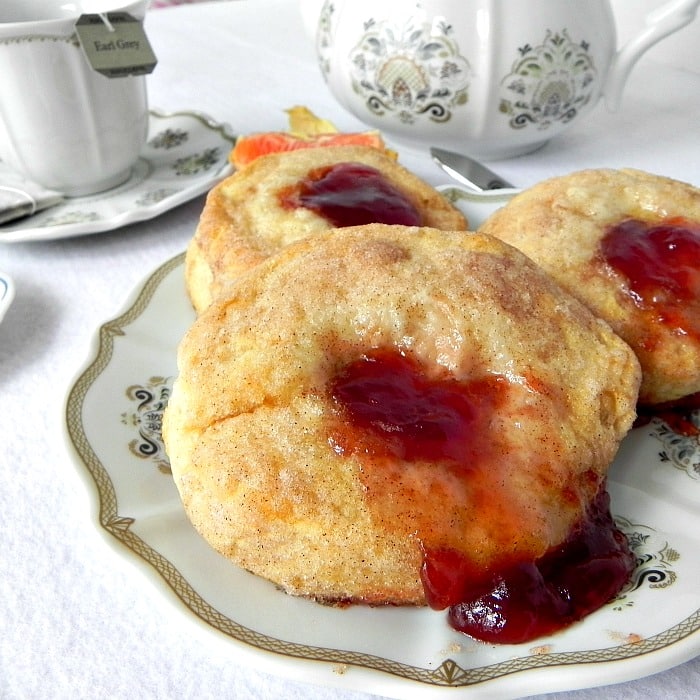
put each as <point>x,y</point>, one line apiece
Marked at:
<point>63,124</point>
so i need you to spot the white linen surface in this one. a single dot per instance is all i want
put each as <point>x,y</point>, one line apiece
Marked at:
<point>76,620</point>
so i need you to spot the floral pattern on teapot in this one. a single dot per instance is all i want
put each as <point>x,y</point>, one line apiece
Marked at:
<point>411,70</point>
<point>496,79</point>
<point>416,70</point>
<point>548,83</point>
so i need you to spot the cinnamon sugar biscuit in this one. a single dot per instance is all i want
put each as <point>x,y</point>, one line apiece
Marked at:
<point>627,244</point>
<point>372,393</point>
<point>262,208</point>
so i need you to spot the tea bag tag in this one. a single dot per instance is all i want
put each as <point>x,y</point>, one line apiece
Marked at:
<point>115,44</point>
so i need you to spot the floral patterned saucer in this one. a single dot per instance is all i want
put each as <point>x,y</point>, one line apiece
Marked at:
<point>185,154</point>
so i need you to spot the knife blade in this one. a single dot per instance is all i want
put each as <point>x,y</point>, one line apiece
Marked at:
<point>468,171</point>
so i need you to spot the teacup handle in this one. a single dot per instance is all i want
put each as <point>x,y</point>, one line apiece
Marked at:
<point>665,20</point>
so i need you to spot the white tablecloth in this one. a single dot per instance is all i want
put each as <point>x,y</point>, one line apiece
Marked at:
<point>76,621</point>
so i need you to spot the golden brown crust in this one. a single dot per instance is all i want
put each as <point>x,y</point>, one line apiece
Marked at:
<point>243,222</point>
<point>249,425</point>
<point>560,222</point>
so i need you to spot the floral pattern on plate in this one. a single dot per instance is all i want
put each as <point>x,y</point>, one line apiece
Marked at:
<point>147,419</point>
<point>681,447</point>
<point>185,155</point>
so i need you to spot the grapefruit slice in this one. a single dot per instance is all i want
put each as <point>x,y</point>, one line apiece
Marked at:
<point>306,131</point>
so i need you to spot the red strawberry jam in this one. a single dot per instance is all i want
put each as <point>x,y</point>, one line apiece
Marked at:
<point>395,415</point>
<point>662,265</point>
<point>401,414</point>
<point>533,599</point>
<point>351,194</point>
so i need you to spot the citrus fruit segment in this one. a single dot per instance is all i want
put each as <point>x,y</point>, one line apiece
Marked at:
<point>250,147</point>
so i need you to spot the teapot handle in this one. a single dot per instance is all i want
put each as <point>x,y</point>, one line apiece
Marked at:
<point>663,21</point>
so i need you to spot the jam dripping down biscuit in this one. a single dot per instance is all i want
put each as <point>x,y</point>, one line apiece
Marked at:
<point>398,419</point>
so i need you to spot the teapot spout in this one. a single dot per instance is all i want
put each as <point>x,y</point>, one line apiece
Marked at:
<point>665,20</point>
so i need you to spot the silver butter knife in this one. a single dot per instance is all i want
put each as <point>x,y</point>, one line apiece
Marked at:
<point>468,171</point>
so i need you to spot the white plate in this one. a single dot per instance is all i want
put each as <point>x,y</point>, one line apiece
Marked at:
<point>7,293</point>
<point>185,154</point>
<point>113,418</point>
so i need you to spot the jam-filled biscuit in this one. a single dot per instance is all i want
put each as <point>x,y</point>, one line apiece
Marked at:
<point>627,244</point>
<point>374,400</point>
<point>283,197</point>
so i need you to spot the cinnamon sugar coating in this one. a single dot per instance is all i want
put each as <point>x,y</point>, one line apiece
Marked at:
<point>250,424</point>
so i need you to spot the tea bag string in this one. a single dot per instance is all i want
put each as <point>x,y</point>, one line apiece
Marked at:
<point>15,190</point>
<point>105,18</point>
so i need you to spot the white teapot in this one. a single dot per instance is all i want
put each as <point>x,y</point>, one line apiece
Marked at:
<point>494,78</point>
